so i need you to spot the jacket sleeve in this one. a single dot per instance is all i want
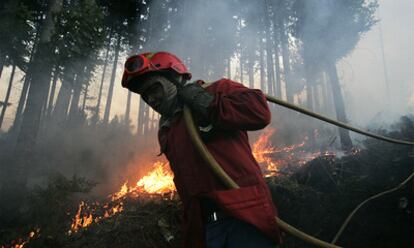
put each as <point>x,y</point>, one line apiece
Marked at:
<point>237,107</point>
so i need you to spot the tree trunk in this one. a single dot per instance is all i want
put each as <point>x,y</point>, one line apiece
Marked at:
<point>269,56</point>
<point>26,84</point>
<point>346,142</point>
<point>128,108</point>
<point>40,69</point>
<point>229,68</point>
<point>278,85</point>
<point>241,51</point>
<point>146,119</point>
<point>98,103</point>
<point>88,75</point>
<point>45,100</point>
<point>22,100</point>
<point>141,117</point>
<point>2,62</point>
<point>251,75</point>
<point>251,60</point>
<point>14,187</point>
<point>74,105</point>
<point>262,66</point>
<point>53,91</point>
<point>63,99</point>
<point>6,99</point>
<point>241,67</point>
<point>286,61</point>
<point>309,84</point>
<point>327,97</point>
<point>318,97</point>
<point>85,97</point>
<point>111,85</point>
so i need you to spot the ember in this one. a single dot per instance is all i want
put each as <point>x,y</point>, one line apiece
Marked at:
<point>22,242</point>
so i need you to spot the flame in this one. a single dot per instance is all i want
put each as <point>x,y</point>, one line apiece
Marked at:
<point>80,220</point>
<point>272,159</point>
<point>121,193</point>
<point>262,148</point>
<point>21,242</point>
<point>159,180</point>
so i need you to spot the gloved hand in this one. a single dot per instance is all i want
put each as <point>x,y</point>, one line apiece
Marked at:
<point>197,99</point>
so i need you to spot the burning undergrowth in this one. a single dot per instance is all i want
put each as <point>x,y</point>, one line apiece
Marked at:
<point>313,189</point>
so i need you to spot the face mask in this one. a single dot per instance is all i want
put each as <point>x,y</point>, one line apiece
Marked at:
<point>166,102</point>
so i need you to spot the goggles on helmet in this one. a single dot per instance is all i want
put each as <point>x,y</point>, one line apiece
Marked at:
<point>137,64</point>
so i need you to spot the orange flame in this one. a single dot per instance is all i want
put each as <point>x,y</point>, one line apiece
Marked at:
<point>81,221</point>
<point>272,159</point>
<point>21,242</point>
<point>157,181</point>
<point>262,148</point>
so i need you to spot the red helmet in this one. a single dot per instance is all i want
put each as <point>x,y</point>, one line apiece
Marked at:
<point>141,64</point>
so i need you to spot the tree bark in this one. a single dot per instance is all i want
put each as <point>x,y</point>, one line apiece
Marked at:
<point>63,99</point>
<point>327,96</point>
<point>346,142</point>
<point>74,104</point>
<point>6,99</point>
<point>241,51</point>
<point>262,66</point>
<point>98,103</point>
<point>229,68</point>
<point>128,108</point>
<point>45,100</point>
<point>14,186</point>
<point>111,85</point>
<point>269,56</point>
<point>40,69</point>
<point>141,116</point>
<point>286,61</point>
<point>85,96</point>
<point>309,84</point>
<point>2,62</point>
<point>251,59</point>
<point>53,91</point>
<point>146,119</point>
<point>22,100</point>
<point>241,66</point>
<point>278,85</point>
<point>26,84</point>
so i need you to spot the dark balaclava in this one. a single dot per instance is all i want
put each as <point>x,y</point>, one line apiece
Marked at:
<point>169,103</point>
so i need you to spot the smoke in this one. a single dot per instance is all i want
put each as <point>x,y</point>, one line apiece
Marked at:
<point>204,34</point>
<point>369,100</point>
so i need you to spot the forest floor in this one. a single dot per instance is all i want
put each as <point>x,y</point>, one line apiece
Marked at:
<point>316,198</point>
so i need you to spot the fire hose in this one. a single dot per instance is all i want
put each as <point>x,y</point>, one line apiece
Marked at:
<point>228,181</point>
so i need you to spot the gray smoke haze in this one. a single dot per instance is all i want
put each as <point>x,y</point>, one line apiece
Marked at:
<point>362,72</point>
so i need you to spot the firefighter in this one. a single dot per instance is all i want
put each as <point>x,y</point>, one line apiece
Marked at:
<point>224,111</point>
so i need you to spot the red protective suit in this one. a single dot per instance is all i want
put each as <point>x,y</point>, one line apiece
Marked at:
<point>234,110</point>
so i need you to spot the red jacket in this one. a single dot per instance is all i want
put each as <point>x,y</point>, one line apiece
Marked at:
<point>234,111</point>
